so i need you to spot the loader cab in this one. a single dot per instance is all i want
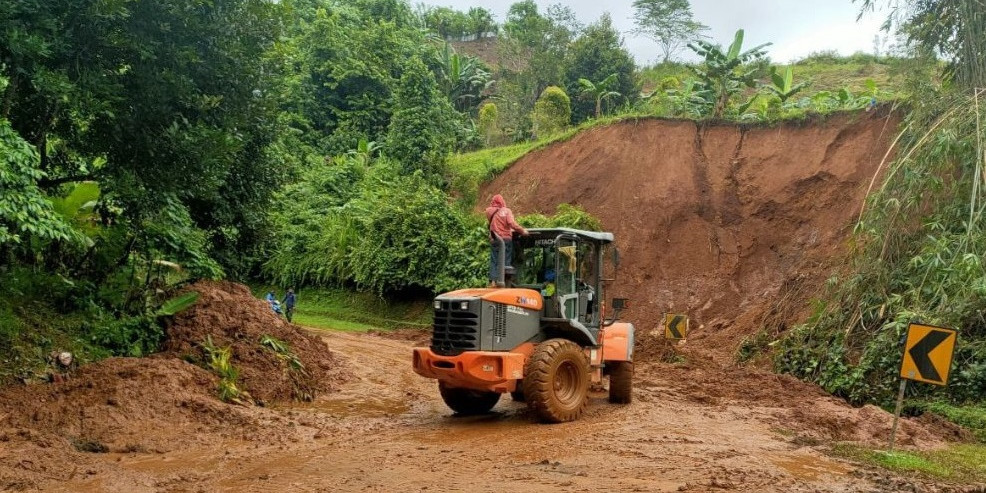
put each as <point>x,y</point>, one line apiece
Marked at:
<point>566,266</point>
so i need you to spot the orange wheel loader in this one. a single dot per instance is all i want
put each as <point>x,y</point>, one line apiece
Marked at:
<point>541,335</point>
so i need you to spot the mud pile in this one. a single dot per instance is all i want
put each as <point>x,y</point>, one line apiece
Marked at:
<point>230,316</point>
<point>118,404</point>
<point>790,405</point>
<point>165,402</point>
<point>737,226</point>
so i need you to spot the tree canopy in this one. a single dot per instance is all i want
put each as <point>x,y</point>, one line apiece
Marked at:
<point>668,22</point>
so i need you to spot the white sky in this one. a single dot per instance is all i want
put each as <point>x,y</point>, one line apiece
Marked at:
<point>796,28</point>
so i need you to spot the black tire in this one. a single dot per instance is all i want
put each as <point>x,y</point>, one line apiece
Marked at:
<point>620,381</point>
<point>468,402</point>
<point>518,395</point>
<point>556,381</point>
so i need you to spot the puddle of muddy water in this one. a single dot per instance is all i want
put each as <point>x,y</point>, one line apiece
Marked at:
<point>809,468</point>
<point>354,407</point>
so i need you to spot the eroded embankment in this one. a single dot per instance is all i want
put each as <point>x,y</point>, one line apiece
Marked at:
<point>736,226</point>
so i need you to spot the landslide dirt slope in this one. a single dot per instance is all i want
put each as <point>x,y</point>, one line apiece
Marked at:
<point>719,221</point>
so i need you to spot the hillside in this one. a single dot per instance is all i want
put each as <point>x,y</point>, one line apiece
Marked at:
<point>734,225</point>
<point>824,71</point>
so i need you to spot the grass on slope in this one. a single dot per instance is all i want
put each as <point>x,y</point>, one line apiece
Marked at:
<point>471,169</point>
<point>825,73</point>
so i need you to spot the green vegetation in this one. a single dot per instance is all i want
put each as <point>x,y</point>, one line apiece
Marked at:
<point>972,417</point>
<point>669,23</point>
<point>726,72</point>
<point>598,56</point>
<point>917,258</point>
<point>599,92</point>
<point>552,111</point>
<point>960,463</point>
<point>450,23</point>
<point>219,361</point>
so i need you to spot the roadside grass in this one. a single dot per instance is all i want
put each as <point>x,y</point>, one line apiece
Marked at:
<point>340,309</point>
<point>962,462</point>
<point>965,463</point>
<point>972,417</point>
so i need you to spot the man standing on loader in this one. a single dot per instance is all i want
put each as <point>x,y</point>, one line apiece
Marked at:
<point>501,228</point>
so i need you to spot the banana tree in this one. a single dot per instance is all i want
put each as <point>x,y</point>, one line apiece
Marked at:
<point>724,73</point>
<point>600,91</point>
<point>691,99</point>
<point>783,85</point>
<point>462,78</point>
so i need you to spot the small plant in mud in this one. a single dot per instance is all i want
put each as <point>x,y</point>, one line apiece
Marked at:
<point>295,368</point>
<point>753,345</point>
<point>89,445</point>
<point>219,362</point>
<point>283,352</point>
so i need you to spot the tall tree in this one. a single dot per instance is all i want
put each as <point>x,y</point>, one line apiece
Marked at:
<point>535,45</point>
<point>667,22</point>
<point>595,56</point>
<point>420,133</point>
<point>165,104</point>
<point>481,21</point>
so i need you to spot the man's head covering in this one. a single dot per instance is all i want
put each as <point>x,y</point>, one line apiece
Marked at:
<point>498,201</point>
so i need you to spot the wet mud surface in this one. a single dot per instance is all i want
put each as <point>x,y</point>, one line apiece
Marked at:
<point>691,427</point>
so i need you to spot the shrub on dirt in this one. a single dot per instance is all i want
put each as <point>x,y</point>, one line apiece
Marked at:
<point>229,317</point>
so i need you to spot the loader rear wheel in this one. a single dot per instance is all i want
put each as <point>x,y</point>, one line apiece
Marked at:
<point>620,381</point>
<point>468,401</point>
<point>556,381</point>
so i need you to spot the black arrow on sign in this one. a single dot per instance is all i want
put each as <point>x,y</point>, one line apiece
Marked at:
<point>673,326</point>
<point>920,354</point>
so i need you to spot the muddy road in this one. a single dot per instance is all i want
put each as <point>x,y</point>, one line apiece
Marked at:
<point>691,427</point>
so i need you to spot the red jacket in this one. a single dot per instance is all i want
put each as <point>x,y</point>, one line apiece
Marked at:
<point>501,219</point>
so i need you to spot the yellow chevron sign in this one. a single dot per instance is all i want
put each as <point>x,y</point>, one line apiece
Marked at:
<point>675,326</point>
<point>928,354</point>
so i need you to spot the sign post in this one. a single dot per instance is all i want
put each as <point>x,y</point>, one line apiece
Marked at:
<point>927,358</point>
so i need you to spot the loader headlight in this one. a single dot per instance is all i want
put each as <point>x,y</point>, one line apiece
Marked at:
<point>464,305</point>
<point>438,305</point>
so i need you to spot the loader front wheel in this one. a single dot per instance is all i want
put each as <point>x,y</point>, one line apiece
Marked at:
<point>556,381</point>
<point>468,402</point>
<point>620,381</point>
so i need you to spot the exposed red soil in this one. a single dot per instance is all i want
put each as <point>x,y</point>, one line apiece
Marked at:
<point>736,226</point>
<point>486,49</point>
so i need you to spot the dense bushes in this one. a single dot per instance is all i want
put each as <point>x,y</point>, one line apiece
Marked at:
<point>375,228</point>
<point>371,227</point>
<point>919,257</point>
